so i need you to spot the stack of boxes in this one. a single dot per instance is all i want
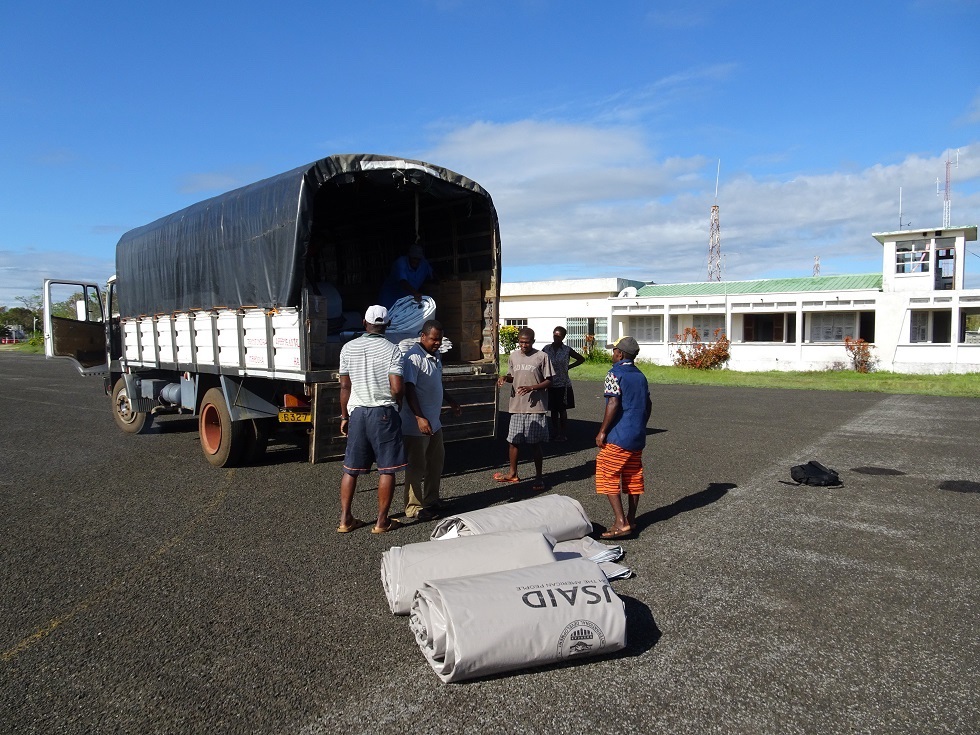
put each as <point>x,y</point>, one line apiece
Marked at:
<point>459,306</point>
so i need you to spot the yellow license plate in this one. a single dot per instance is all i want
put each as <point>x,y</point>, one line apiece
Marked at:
<point>295,417</point>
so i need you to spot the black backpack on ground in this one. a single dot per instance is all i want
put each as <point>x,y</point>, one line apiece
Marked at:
<point>814,473</point>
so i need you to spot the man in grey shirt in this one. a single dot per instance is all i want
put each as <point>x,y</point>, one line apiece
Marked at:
<point>421,423</point>
<point>370,397</point>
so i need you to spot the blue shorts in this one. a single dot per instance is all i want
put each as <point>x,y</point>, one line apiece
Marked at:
<point>374,435</point>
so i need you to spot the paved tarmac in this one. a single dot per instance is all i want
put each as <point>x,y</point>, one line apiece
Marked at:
<point>144,591</point>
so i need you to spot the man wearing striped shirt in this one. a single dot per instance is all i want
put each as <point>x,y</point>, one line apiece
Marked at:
<point>622,436</point>
<point>370,398</point>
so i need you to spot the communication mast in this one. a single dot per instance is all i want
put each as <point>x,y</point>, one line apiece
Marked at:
<point>946,199</point>
<point>816,265</point>
<point>714,236</point>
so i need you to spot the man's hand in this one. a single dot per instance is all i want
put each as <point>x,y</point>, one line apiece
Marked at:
<point>424,426</point>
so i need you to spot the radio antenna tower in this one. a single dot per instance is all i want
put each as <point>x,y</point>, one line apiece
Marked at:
<point>714,237</point>
<point>946,200</point>
<point>816,265</point>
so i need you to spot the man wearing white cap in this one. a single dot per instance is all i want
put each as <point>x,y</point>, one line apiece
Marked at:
<point>370,398</point>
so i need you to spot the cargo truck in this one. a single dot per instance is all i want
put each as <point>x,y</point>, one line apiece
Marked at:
<point>235,309</point>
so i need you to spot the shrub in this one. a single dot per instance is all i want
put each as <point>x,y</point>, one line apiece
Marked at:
<point>694,353</point>
<point>508,338</point>
<point>595,354</point>
<point>860,352</point>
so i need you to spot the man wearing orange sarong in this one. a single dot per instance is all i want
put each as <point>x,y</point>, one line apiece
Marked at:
<point>622,436</point>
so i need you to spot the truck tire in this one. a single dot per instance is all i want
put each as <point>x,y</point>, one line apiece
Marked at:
<point>222,440</point>
<point>130,421</point>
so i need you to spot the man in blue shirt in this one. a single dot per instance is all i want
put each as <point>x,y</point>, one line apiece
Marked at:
<point>422,424</point>
<point>622,436</point>
<point>408,274</point>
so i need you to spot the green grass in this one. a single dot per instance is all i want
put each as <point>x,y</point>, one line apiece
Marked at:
<point>967,385</point>
<point>837,380</point>
<point>30,347</point>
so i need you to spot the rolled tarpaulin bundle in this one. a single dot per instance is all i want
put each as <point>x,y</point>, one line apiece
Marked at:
<point>406,568</point>
<point>490,623</point>
<point>558,516</point>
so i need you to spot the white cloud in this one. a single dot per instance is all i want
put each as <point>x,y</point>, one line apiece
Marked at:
<point>578,200</point>
<point>23,273</point>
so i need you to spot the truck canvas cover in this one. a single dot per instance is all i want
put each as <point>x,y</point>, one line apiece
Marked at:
<point>248,247</point>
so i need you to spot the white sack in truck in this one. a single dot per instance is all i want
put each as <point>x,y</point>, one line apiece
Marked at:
<point>491,623</point>
<point>558,516</point>
<point>406,316</point>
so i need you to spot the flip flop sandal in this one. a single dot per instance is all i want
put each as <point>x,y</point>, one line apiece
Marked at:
<point>354,525</point>
<point>392,525</point>
<point>619,533</point>
<point>501,477</point>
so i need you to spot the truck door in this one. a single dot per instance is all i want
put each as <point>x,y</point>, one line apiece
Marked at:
<point>74,325</point>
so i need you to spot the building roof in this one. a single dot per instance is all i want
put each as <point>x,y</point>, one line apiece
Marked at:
<point>860,282</point>
<point>567,286</point>
<point>969,234</point>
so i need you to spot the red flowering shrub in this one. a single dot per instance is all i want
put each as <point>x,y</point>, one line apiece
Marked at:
<point>694,353</point>
<point>861,354</point>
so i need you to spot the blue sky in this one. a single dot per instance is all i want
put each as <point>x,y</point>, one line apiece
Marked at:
<point>596,127</point>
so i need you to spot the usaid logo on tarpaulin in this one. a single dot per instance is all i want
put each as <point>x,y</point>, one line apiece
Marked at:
<point>579,638</point>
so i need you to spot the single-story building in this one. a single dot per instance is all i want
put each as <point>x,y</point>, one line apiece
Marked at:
<point>916,313</point>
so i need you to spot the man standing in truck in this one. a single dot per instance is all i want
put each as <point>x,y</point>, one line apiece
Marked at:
<point>370,398</point>
<point>408,274</point>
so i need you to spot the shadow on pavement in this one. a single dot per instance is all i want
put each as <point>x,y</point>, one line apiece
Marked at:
<point>714,492</point>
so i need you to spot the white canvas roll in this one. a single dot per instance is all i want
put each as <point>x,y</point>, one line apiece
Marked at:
<point>406,568</point>
<point>558,516</point>
<point>491,623</point>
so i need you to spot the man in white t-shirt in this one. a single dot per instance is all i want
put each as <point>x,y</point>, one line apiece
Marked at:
<point>370,397</point>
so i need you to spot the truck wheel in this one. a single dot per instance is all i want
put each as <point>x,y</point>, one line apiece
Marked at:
<point>222,440</point>
<point>130,421</point>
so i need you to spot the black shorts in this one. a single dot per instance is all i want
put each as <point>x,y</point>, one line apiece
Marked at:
<point>561,399</point>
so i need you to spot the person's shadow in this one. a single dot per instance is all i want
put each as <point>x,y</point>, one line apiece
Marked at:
<point>714,492</point>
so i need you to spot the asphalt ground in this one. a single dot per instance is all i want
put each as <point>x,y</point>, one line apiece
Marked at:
<point>144,591</point>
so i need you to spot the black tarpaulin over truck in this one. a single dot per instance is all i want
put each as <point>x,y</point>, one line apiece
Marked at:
<point>247,247</point>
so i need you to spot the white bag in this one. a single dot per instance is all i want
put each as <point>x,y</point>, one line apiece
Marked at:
<point>490,623</point>
<point>406,568</point>
<point>558,516</point>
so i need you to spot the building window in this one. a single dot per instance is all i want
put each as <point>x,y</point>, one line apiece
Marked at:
<point>832,326</point>
<point>763,327</point>
<point>519,323</point>
<point>945,263</point>
<point>706,324</point>
<point>920,327</point>
<point>579,329</point>
<point>646,328</point>
<point>931,326</point>
<point>912,256</point>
